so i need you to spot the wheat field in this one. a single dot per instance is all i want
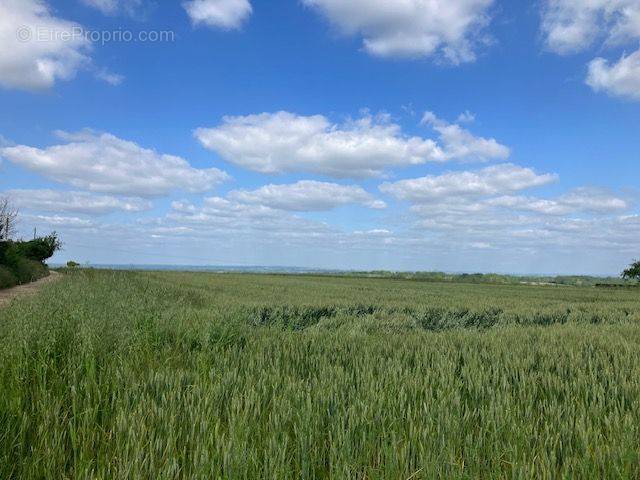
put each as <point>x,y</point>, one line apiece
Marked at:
<point>169,375</point>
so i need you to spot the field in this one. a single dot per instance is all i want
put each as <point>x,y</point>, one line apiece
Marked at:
<point>231,376</point>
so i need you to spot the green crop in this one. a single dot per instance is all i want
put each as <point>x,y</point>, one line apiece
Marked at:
<point>181,375</point>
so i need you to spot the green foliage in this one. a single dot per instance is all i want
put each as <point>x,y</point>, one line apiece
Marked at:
<point>4,247</point>
<point>39,249</point>
<point>633,272</point>
<point>72,264</point>
<point>26,271</point>
<point>25,260</point>
<point>7,278</point>
<point>181,375</point>
<point>493,278</point>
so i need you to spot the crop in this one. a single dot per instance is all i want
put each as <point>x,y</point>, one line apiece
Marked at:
<point>183,375</point>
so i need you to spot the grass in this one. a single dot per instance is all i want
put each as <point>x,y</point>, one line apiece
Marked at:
<point>181,375</point>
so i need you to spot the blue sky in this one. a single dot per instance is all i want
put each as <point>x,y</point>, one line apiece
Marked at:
<point>459,135</point>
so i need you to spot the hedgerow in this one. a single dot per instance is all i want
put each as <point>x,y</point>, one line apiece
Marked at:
<point>23,262</point>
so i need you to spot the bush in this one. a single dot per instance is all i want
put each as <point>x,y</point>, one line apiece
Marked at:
<point>7,278</point>
<point>39,249</point>
<point>23,262</point>
<point>26,270</point>
<point>4,247</point>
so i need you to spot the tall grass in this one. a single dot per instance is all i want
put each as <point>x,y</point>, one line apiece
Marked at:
<point>168,375</point>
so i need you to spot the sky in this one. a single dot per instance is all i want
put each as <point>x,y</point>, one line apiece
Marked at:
<point>451,135</point>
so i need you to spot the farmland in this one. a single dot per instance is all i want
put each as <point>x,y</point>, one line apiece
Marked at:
<point>195,375</point>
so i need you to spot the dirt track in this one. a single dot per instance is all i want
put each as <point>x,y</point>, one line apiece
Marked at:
<point>29,289</point>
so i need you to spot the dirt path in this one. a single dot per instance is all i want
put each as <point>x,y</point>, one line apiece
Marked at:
<point>29,289</point>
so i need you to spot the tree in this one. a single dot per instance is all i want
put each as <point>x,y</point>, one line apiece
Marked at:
<point>8,219</point>
<point>633,272</point>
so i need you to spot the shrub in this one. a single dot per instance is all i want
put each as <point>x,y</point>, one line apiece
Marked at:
<point>39,249</point>
<point>7,278</point>
<point>23,262</point>
<point>4,246</point>
<point>26,270</point>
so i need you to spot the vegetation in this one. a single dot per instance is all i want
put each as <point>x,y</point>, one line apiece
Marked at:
<point>562,280</point>
<point>23,261</point>
<point>182,375</point>
<point>633,272</point>
<point>20,261</point>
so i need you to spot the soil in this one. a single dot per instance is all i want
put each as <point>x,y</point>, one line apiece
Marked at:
<point>28,289</point>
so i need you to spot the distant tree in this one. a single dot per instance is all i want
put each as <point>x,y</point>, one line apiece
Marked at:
<point>8,219</point>
<point>72,264</point>
<point>633,272</point>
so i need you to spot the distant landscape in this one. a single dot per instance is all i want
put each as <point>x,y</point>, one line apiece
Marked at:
<point>586,280</point>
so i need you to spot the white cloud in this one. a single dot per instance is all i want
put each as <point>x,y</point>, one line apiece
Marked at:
<point>58,221</point>
<point>228,216</point>
<point>307,195</point>
<point>285,142</point>
<point>580,200</point>
<point>37,48</point>
<point>466,117</point>
<point>474,214</point>
<point>107,164</point>
<point>594,200</point>
<point>530,204</point>
<point>494,180</point>
<point>225,14</point>
<point>460,143</point>
<point>383,232</point>
<point>366,147</point>
<point>74,202</point>
<point>111,7</point>
<point>451,29</point>
<point>571,26</point>
<point>113,79</point>
<point>620,79</point>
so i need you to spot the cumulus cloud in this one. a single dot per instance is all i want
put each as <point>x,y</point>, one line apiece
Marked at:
<point>460,143</point>
<point>307,195</point>
<point>571,26</point>
<point>104,163</point>
<point>595,200</point>
<point>450,29</point>
<point>366,147</point>
<point>580,200</point>
<point>36,48</point>
<point>530,204</point>
<point>494,180</point>
<point>229,216</point>
<point>74,202</point>
<point>620,79</point>
<point>469,209</point>
<point>225,14</point>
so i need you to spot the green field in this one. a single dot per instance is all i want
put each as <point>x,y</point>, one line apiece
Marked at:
<point>182,375</point>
